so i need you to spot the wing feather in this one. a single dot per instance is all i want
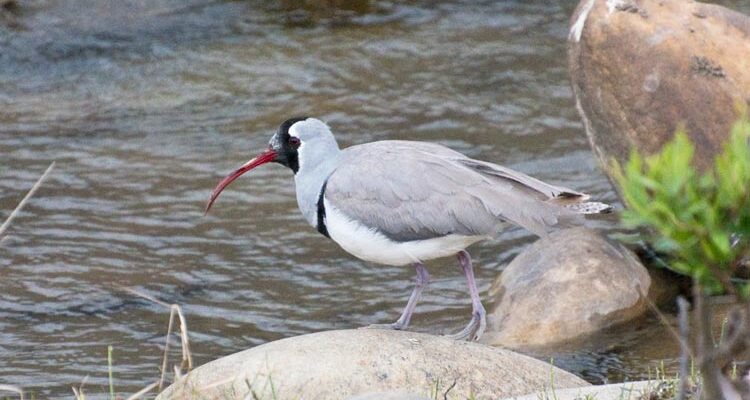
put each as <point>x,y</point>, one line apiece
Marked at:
<point>416,190</point>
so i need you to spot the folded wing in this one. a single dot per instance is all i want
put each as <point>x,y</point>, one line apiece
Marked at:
<point>416,191</point>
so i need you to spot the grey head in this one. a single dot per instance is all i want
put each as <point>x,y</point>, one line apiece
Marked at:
<point>307,147</point>
<point>317,156</point>
<point>302,143</point>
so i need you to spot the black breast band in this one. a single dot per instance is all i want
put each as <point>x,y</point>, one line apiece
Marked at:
<point>322,212</point>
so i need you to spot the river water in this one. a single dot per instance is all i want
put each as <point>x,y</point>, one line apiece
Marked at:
<point>145,105</point>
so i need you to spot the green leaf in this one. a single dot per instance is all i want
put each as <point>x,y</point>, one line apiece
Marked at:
<point>687,214</point>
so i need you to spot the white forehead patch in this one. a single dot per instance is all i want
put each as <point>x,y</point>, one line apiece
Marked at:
<point>300,128</point>
<point>293,129</point>
<point>316,143</point>
<point>308,128</point>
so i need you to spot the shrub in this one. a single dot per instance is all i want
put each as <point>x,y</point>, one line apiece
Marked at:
<point>702,220</point>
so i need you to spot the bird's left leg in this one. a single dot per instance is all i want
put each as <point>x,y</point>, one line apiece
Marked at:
<point>403,321</point>
<point>475,328</point>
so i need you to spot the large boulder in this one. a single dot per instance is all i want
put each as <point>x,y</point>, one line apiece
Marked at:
<point>338,364</point>
<point>390,395</point>
<point>641,68</point>
<point>563,287</point>
<point>617,391</point>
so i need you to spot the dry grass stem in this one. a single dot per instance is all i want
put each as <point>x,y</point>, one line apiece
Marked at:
<point>682,306</point>
<point>187,358</point>
<point>663,319</point>
<point>177,373</point>
<point>218,383</point>
<point>143,391</point>
<point>26,198</point>
<point>78,393</point>
<point>12,388</point>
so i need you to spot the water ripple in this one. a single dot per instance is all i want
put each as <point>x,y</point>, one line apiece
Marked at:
<point>146,105</point>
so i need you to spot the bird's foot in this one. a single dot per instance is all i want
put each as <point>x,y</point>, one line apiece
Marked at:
<point>396,326</point>
<point>474,330</point>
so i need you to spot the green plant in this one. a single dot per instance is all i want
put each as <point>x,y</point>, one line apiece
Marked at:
<point>702,220</point>
<point>695,217</point>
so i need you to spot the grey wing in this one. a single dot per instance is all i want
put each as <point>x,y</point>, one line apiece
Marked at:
<point>416,190</point>
<point>542,190</point>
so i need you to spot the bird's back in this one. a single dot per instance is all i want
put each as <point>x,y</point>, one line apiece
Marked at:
<point>418,190</point>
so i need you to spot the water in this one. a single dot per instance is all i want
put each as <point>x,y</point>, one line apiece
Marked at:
<point>146,105</point>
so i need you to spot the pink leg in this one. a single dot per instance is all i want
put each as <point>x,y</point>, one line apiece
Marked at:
<point>475,328</point>
<point>403,321</point>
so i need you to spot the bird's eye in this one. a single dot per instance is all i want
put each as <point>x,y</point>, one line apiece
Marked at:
<point>294,141</point>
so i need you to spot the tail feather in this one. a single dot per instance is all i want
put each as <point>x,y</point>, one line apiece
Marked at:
<point>566,199</point>
<point>589,207</point>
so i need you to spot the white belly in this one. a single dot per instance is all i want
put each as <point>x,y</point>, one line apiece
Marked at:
<point>370,245</point>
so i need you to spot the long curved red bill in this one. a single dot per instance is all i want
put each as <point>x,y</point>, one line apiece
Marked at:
<point>267,156</point>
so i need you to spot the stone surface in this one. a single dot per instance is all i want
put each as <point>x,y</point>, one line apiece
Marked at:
<point>571,284</point>
<point>390,395</point>
<point>338,364</point>
<point>617,391</point>
<point>641,68</point>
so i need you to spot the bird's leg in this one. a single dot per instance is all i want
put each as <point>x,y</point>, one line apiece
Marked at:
<point>403,321</point>
<point>478,322</point>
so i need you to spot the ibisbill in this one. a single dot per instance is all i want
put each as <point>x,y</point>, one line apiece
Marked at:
<point>403,203</point>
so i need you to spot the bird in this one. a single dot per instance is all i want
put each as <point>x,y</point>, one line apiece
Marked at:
<point>401,203</point>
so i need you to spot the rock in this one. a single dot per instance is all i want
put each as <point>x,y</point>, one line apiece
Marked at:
<point>392,395</point>
<point>337,364</point>
<point>617,391</point>
<point>640,68</point>
<point>563,287</point>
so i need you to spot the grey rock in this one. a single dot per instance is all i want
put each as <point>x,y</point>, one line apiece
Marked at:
<point>391,395</point>
<point>617,391</point>
<point>338,364</point>
<point>568,285</point>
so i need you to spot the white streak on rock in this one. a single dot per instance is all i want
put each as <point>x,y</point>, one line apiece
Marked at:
<point>577,29</point>
<point>612,5</point>
<point>590,133</point>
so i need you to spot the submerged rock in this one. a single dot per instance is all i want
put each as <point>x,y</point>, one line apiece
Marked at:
<point>641,68</point>
<point>338,364</point>
<point>563,287</point>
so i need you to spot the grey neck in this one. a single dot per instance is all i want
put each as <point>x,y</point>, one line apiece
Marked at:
<point>315,168</point>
